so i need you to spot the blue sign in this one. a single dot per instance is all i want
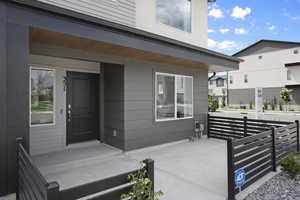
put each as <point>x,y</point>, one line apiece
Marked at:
<point>240,177</point>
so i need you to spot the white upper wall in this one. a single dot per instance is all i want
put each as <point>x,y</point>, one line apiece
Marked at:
<point>146,19</point>
<point>267,72</point>
<point>141,14</point>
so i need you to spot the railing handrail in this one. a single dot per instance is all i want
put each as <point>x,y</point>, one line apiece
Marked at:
<point>31,163</point>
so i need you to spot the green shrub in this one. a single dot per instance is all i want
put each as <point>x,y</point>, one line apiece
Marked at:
<point>212,103</point>
<point>291,165</point>
<point>142,187</point>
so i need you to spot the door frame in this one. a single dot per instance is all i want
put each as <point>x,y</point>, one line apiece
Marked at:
<point>68,97</point>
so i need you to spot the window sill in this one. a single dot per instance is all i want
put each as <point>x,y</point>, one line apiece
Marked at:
<point>167,120</point>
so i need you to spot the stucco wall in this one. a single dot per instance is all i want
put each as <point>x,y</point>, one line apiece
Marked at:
<point>146,20</point>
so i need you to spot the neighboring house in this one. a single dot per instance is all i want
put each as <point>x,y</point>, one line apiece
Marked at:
<point>129,73</point>
<point>217,86</point>
<point>268,64</point>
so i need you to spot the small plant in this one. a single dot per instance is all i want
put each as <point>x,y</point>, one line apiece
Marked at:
<point>212,103</point>
<point>142,187</point>
<point>291,165</point>
<point>286,95</point>
<point>265,103</point>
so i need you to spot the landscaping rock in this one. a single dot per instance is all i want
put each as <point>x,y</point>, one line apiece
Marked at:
<point>280,187</point>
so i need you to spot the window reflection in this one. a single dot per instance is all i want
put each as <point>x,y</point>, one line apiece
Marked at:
<point>175,13</point>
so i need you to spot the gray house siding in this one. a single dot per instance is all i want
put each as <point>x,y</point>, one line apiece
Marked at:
<point>17,94</point>
<point>245,96</point>
<point>113,104</point>
<point>141,129</point>
<point>3,101</point>
<point>119,11</point>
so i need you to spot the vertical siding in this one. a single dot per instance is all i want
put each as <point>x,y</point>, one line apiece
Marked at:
<point>114,104</point>
<point>140,127</point>
<point>119,11</point>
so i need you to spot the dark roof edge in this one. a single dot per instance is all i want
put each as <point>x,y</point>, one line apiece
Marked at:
<point>260,41</point>
<point>292,64</point>
<point>120,27</point>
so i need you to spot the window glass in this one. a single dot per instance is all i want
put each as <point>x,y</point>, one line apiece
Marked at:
<point>230,79</point>
<point>220,83</point>
<point>42,97</point>
<point>175,13</point>
<point>289,75</point>
<point>174,96</point>
<point>165,99</point>
<point>245,78</point>
<point>184,97</point>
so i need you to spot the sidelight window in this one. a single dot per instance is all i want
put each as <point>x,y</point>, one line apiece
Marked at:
<point>42,83</point>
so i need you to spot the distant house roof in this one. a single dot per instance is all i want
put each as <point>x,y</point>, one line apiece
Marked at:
<point>263,46</point>
<point>219,77</point>
<point>292,64</point>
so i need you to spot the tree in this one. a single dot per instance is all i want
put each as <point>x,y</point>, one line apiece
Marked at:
<point>286,95</point>
<point>212,103</point>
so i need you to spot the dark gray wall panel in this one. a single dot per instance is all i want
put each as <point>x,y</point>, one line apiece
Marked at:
<point>245,96</point>
<point>141,129</point>
<point>17,93</point>
<point>113,104</point>
<point>3,103</point>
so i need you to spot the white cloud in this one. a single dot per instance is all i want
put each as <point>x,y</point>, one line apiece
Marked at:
<point>227,45</point>
<point>211,43</point>
<point>240,13</point>
<point>272,28</point>
<point>292,17</point>
<point>211,31</point>
<point>224,30</point>
<point>215,12</point>
<point>224,45</point>
<point>240,31</point>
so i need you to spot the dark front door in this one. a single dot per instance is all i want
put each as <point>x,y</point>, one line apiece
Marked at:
<point>82,107</point>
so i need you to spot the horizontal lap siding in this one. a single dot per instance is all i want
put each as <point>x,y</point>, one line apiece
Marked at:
<point>141,130</point>
<point>120,11</point>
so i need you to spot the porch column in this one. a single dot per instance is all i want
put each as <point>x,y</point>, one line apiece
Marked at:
<point>17,51</point>
<point>3,145</point>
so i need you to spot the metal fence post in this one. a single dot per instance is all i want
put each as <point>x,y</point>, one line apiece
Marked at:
<point>298,137</point>
<point>274,165</point>
<point>53,191</point>
<point>245,126</point>
<point>208,125</point>
<point>230,170</point>
<point>19,141</point>
<point>150,170</point>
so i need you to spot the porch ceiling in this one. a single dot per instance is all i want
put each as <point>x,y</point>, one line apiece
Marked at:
<point>43,36</point>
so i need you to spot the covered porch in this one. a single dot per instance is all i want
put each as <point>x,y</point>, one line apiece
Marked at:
<point>192,170</point>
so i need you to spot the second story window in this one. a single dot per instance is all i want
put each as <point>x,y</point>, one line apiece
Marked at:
<point>245,78</point>
<point>175,13</point>
<point>220,83</point>
<point>230,79</point>
<point>211,82</point>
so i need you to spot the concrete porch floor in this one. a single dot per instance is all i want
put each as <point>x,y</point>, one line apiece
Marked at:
<point>183,170</point>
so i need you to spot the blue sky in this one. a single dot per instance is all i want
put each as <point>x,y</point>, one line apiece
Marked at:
<point>235,24</point>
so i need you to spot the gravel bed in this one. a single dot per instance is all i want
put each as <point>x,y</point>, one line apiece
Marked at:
<point>280,187</point>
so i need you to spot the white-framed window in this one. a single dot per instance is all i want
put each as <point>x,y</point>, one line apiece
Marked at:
<point>174,13</point>
<point>42,96</point>
<point>173,97</point>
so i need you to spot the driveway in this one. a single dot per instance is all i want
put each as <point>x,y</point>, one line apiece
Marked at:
<point>183,170</point>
